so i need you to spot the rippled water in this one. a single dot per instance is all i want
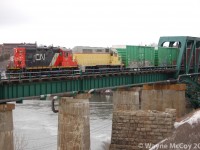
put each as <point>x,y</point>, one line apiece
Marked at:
<point>36,125</point>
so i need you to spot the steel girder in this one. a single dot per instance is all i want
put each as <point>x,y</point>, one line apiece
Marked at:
<point>189,55</point>
<point>16,90</point>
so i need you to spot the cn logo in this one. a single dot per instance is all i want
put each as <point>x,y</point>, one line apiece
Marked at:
<point>39,56</point>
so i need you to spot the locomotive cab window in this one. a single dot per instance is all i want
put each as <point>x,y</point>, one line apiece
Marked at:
<point>65,54</point>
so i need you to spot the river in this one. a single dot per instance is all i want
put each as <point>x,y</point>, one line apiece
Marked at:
<point>35,125</point>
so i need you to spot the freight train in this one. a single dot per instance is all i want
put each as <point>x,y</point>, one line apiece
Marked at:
<point>83,57</point>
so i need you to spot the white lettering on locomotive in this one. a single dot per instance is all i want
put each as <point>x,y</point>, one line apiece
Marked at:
<point>39,56</point>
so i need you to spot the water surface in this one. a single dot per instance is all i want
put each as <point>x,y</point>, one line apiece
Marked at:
<point>36,125</point>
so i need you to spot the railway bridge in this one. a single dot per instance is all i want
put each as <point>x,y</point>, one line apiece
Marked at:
<point>30,84</point>
<point>186,69</point>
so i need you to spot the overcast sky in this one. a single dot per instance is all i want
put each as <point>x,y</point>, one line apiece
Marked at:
<point>97,22</point>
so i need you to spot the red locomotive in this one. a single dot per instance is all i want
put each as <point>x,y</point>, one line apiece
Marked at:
<point>43,58</point>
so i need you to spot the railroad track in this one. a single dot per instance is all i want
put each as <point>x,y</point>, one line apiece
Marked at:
<point>77,74</point>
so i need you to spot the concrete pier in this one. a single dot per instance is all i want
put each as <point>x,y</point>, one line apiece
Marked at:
<point>6,127</point>
<point>126,99</point>
<point>162,96</point>
<point>73,123</point>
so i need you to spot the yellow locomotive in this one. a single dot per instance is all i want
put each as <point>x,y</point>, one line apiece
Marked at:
<point>96,57</point>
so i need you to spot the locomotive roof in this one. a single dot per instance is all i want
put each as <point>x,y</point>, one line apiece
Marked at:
<point>77,49</point>
<point>32,47</point>
<point>65,49</point>
<point>88,47</point>
<point>49,47</point>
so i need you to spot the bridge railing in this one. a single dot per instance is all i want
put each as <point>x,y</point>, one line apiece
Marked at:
<point>67,73</point>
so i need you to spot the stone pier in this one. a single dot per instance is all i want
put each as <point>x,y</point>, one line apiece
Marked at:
<point>133,130</point>
<point>145,115</point>
<point>6,127</point>
<point>73,123</point>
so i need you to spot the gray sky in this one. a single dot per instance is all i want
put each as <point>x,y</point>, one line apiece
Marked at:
<point>97,22</point>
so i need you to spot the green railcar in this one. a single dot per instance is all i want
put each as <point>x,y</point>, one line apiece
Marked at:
<point>167,56</point>
<point>137,56</point>
<point>146,56</point>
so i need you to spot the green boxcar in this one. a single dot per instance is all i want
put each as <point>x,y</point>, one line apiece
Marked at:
<point>137,56</point>
<point>167,56</point>
<point>145,56</point>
